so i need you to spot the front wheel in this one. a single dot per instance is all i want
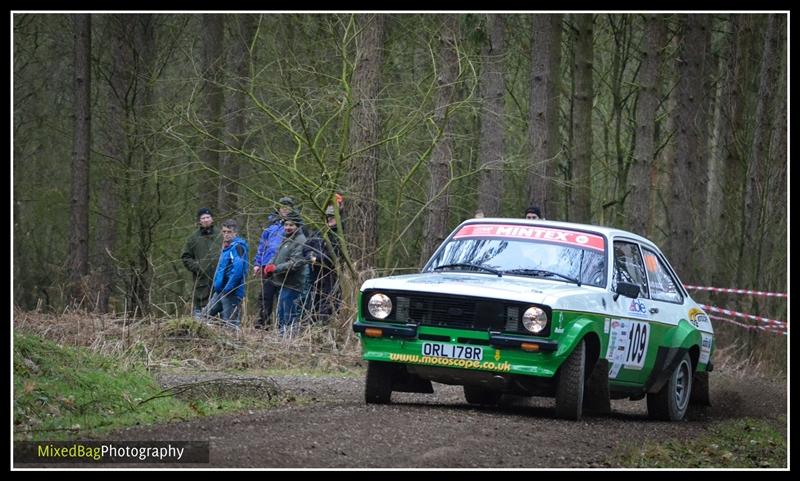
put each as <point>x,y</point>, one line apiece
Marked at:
<point>380,378</point>
<point>672,401</point>
<point>569,389</point>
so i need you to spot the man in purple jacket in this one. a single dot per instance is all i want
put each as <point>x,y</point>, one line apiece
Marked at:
<point>267,248</point>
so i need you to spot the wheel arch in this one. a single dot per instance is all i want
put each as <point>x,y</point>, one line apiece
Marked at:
<point>583,329</point>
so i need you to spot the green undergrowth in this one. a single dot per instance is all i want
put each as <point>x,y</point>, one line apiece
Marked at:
<point>64,392</point>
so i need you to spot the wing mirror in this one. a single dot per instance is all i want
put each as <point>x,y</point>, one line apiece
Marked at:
<point>627,289</point>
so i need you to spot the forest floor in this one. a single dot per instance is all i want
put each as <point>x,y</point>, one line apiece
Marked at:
<point>334,428</point>
<point>318,417</point>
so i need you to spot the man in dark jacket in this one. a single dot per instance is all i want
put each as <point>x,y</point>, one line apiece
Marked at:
<point>287,274</point>
<point>229,280</point>
<point>200,254</point>
<point>325,292</point>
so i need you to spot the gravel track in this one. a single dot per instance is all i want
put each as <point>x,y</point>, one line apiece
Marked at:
<point>334,428</point>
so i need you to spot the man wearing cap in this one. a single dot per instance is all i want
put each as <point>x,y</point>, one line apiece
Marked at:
<point>286,273</point>
<point>200,254</point>
<point>267,247</point>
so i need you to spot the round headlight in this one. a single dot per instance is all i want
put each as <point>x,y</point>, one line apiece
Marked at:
<point>534,319</point>
<point>379,306</point>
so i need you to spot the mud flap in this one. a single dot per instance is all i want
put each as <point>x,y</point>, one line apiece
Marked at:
<point>701,394</point>
<point>407,382</point>
<point>596,396</point>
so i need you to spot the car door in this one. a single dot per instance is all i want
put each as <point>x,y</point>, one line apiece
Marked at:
<point>629,328</point>
<point>672,303</point>
<point>665,294</point>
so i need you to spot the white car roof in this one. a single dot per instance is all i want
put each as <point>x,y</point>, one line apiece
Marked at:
<point>609,232</point>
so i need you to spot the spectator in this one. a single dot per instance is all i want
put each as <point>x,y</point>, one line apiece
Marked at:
<point>286,272</point>
<point>325,293</point>
<point>533,213</point>
<point>479,214</point>
<point>229,280</point>
<point>267,247</point>
<point>200,254</point>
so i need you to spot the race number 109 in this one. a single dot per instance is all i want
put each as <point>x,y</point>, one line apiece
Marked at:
<point>638,334</point>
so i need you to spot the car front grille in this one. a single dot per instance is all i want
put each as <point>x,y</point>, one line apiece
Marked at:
<point>461,312</point>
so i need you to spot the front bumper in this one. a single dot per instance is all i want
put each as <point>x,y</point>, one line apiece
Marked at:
<point>504,353</point>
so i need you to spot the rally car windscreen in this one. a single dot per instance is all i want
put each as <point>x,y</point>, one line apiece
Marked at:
<point>526,251</point>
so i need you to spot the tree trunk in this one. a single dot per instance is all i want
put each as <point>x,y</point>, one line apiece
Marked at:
<point>755,206</point>
<point>115,134</point>
<point>774,272</point>
<point>438,210</point>
<point>582,159</point>
<point>491,151</point>
<point>243,28</point>
<point>79,199</point>
<point>730,140</point>
<point>621,30</point>
<point>644,151</point>
<point>690,163</point>
<point>543,114</point>
<point>362,203</point>
<point>211,109</point>
<point>148,209</point>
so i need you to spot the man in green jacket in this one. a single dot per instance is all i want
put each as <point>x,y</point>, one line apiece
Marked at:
<point>287,274</point>
<point>200,255</point>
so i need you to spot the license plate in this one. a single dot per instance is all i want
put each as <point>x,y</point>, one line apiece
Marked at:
<point>452,351</point>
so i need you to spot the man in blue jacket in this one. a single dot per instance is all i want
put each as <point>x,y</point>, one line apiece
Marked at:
<point>229,280</point>
<point>271,238</point>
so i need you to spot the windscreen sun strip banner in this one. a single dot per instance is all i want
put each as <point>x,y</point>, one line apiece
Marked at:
<point>549,234</point>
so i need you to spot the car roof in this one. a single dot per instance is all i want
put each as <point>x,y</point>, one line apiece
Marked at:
<point>609,232</point>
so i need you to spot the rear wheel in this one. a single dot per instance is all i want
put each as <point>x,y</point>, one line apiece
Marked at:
<point>569,389</point>
<point>481,396</point>
<point>380,377</point>
<point>671,402</point>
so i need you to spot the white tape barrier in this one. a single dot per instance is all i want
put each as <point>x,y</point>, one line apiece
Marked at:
<point>743,315</point>
<point>746,326</point>
<point>738,291</point>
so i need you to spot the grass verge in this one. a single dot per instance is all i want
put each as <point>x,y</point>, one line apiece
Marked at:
<point>740,443</point>
<point>64,392</point>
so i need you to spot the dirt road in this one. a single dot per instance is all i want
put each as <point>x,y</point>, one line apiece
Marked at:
<point>336,429</point>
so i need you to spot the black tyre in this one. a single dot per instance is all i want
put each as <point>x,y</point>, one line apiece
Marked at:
<point>569,388</point>
<point>380,377</point>
<point>701,392</point>
<point>481,396</point>
<point>672,401</point>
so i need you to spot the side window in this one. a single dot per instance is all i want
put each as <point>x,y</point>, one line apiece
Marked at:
<point>593,269</point>
<point>662,285</point>
<point>629,267</point>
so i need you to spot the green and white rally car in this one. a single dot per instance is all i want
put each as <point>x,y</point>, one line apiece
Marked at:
<point>581,313</point>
